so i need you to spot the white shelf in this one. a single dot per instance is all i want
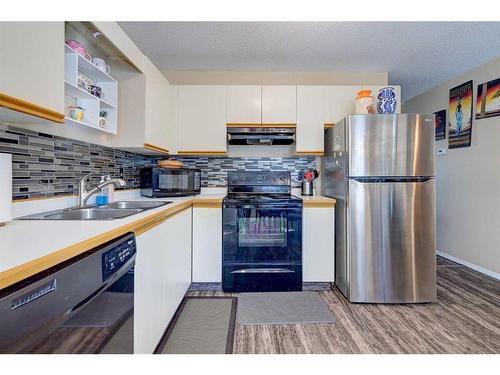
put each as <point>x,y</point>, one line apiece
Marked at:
<point>105,104</point>
<point>77,92</point>
<point>69,120</point>
<point>88,67</point>
<point>75,63</point>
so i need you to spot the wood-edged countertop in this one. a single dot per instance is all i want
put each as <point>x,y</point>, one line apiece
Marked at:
<point>318,201</point>
<point>30,247</point>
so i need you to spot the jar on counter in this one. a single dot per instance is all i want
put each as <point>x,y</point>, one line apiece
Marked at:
<point>364,102</point>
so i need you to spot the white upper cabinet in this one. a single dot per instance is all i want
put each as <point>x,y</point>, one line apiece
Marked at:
<point>340,101</point>
<point>244,105</point>
<point>160,107</point>
<point>120,40</point>
<point>147,112</point>
<point>32,70</point>
<point>202,119</point>
<point>311,113</point>
<point>279,105</point>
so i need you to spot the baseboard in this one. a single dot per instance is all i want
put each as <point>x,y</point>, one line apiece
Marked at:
<point>475,267</point>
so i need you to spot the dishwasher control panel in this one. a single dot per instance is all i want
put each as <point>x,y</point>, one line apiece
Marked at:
<point>114,258</point>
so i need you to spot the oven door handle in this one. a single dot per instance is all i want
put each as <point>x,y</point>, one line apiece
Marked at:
<point>263,270</point>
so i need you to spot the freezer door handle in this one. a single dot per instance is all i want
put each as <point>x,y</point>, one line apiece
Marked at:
<point>365,180</point>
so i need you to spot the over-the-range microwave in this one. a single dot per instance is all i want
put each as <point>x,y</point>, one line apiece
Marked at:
<point>162,182</point>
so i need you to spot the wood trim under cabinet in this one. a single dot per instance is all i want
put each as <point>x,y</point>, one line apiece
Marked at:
<point>205,153</point>
<point>243,125</point>
<point>312,153</point>
<point>28,108</point>
<point>329,125</point>
<point>151,147</point>
<point>259,125</point>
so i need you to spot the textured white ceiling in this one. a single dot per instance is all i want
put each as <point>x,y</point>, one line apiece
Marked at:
<point>417,55</point>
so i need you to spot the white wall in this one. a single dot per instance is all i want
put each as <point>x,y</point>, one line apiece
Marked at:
<point>467,179</point>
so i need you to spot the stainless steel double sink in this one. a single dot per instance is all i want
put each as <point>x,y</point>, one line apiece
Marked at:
<point>112,211</point>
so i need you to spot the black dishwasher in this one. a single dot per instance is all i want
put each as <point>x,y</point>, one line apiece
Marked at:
<point>89,296</point>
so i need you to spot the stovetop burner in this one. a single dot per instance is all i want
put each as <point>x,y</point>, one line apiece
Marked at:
<point>270,187</point>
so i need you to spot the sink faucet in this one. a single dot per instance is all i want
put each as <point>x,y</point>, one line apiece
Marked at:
<point>84,194</point>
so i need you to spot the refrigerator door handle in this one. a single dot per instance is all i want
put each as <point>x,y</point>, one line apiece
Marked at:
<point>365,180</point>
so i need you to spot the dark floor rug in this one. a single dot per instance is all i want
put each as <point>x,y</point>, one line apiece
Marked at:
<point>202,325</point>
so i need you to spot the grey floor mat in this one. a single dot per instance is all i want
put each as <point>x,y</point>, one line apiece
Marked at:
<point>105,311</point>
<point>282,308</point>
<point>204,325</point>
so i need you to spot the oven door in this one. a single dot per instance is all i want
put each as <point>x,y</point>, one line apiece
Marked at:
<point>262,234</point>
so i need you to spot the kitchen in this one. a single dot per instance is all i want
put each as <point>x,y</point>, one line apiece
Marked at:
<point>153,204</point>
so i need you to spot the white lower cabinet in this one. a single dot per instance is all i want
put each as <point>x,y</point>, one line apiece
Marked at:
<point>207,244</point>
<point>162,277</point>
<point>318,235</point>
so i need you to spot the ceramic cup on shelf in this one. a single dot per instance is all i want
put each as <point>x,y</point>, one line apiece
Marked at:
<point>101,65</point>
<point>96,91</point>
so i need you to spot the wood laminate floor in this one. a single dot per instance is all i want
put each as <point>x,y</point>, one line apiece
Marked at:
<point>465,319</point>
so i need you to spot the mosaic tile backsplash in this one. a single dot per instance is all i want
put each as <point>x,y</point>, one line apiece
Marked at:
<point>214,169</point>
<point>45,165</point>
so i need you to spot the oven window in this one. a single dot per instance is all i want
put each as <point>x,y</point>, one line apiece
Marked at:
<point>262,230</point>
<point>173,181</point>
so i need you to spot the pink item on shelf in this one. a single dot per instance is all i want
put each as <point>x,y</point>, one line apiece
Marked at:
<point>79,48</point>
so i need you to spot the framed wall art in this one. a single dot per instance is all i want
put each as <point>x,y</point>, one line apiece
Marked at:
<point>460,116</point>
<point>440,124</point>
<point>488,99</point>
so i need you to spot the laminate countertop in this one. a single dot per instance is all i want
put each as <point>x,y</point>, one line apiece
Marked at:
<point>28,247</point>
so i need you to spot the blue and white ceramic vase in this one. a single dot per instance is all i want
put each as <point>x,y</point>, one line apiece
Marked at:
<point>386,102</point>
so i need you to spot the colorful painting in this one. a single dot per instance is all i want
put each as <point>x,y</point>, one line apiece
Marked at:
<point>488,99</point>
<point>440,124</point>
<point>460,116</point>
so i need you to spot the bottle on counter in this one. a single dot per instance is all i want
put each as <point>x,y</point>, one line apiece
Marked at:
<point>109,191</point>
<point>101,198</point>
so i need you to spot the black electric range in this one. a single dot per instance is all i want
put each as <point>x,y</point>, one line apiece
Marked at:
<point>262,233</point>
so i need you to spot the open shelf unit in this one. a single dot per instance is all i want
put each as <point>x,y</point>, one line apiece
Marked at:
<point>76,95</point>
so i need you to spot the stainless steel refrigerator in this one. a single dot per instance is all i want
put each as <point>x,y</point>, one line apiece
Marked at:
<point>380,169</point>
